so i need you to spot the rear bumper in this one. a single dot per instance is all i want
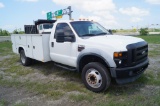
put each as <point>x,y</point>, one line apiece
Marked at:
<point>129,74</point>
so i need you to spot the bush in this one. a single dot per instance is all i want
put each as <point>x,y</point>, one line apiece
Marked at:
<point>114,31</point>
<point>144,31</point>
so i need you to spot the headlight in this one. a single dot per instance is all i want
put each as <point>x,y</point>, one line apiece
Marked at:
<point>120,58</point>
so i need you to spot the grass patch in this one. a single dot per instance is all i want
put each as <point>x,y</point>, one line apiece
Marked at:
<point>19,70</point>
<point>1,77</point>
<point>155,52</point>
<point>81,97</point>
<point>10,83</point>
<point>138,99</point>
<point>3,102</point>
<point>6,44</point>
<point>7,63</point>
<point>35,87</point>
<point>149,78</point>
<point>5,48</point>
<point>13,67</point>
<point>20,104</point>
<point>55,94</point>
<point>151,38</point>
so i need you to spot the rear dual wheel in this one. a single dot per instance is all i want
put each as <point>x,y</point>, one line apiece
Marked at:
<point>96,77</point>
<point>24,60</point>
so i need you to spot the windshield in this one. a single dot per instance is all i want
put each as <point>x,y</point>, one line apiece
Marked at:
<point>88,28</point>
<point>47,26</point>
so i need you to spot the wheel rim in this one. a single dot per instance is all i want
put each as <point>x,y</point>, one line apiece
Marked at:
<point>93,78</point>
<point>23,57</point>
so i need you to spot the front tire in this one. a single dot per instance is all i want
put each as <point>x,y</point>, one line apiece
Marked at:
<point>24,60</point>
<point>96,77</point>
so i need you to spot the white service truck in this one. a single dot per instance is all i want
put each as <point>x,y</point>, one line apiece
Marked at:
<point>86,47</point>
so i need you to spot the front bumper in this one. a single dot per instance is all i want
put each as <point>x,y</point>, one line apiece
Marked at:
<point>128,74</point>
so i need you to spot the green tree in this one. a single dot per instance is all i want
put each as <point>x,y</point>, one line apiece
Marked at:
<point>0,32</point>
<point>4,33</point>
<point>18,31</point>
<point>15,31</point>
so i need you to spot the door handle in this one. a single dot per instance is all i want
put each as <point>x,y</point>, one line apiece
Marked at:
<point>52,44</point>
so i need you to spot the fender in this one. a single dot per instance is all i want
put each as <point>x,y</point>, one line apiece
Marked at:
<point>21,46</point>
<point>96,52</point>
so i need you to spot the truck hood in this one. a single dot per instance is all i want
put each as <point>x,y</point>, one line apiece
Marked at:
<point>118,42</point>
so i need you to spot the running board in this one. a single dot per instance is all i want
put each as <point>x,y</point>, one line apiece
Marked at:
<point>65,67</point>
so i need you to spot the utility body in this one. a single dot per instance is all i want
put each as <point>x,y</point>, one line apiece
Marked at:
<point>86,47</point>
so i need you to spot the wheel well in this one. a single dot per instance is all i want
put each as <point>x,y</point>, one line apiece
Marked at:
<point>90,58</point>
<point>20,48</point>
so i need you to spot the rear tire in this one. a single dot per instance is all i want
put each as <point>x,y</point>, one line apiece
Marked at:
<point>25,60</point>
<point>96,77</point>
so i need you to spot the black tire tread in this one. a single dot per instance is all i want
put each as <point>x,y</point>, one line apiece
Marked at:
<point>28,61</point>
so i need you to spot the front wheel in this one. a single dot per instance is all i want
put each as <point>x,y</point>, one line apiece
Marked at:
<point>96,77</point>
<point>24,60</point>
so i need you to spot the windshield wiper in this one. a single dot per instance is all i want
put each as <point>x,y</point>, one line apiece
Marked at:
<point>88,35</point>
<point>103,33</point>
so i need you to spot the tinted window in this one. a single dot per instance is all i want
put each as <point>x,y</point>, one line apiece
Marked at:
<point>88,28</point>
<point>49,26</point>
<point>40,27</point>
<point>64,28</point>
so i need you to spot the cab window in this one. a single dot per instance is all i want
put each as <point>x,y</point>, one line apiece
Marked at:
<point>64,28</point>
<point>40,27</point>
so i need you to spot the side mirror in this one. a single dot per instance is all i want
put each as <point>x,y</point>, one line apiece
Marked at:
<point>61,37</point>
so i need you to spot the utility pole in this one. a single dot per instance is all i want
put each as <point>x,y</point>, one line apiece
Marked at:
<point>70,12</point>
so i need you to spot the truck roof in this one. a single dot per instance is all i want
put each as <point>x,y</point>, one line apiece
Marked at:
<point>71,20</point>
<point>41,21</point>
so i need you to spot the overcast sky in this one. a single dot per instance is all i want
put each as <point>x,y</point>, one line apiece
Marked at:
<point>113,14</point>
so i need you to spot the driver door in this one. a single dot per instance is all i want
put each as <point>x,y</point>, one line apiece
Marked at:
<point>64,53</point>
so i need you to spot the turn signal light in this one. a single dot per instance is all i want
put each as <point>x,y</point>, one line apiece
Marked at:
<point>117,54</point>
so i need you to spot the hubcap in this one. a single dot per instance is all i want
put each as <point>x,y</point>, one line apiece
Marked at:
<point>93,78</point>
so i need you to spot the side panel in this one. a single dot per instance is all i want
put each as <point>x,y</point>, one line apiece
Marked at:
<point>40,49</point>
<point>46,45</point>
<point>21,39</point>
<point>37,47</point>
<point>29,48</point>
